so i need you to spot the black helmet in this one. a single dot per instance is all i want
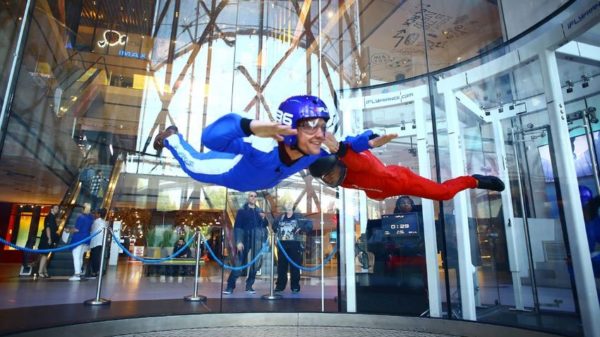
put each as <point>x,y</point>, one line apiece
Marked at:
<point>322,166</point>
<point>329,169</point>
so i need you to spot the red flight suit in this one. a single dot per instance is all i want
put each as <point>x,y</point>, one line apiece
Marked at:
<point>366,172</point>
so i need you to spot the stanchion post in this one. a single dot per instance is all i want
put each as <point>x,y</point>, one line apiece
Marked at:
<point>98,300</point>
<point>195,297</point>
<point>271,295</point>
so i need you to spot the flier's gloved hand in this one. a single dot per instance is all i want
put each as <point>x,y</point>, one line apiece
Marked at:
<point>377,140</point>
<point>360,143</point>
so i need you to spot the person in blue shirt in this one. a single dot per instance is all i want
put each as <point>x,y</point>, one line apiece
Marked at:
<point>83,226</point>
<point>238,161</point>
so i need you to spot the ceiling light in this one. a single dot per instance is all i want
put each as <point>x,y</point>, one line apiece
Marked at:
<point>585,81</point>
<point>569,87</point>
<point>591,114</point>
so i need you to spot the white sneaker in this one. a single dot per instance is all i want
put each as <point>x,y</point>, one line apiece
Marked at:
<point>75,278</point>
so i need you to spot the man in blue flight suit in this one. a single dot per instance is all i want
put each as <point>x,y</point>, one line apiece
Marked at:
<point>236,163</point>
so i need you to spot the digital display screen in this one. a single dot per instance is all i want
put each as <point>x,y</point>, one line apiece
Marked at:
<point>405,224</point>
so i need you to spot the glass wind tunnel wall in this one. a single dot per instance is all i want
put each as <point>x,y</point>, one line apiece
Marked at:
<point>111,75</point>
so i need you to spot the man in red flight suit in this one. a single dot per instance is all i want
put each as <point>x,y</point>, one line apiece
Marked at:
<point>354,166</point>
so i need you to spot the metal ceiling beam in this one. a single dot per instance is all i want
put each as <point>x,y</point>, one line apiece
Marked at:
<point>166,98</point>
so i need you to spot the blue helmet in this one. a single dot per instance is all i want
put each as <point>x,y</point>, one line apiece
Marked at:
<point>297,108</point>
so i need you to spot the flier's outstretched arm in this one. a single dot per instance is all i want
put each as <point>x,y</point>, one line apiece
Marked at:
<point>226,133</point>
<point>364,141</point>
<point>382,140</point>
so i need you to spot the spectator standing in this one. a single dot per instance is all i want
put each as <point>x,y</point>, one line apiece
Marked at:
<point>48,239</point>
<point>249,234</point>
<point>186,253</point>
<point>96,242</point>
<point>215,244</point>
<point>97,188</point>
<point>86,175</point>
<point>82,228</point>
<point>291,231</point>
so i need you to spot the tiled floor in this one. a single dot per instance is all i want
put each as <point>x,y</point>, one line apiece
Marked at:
<point>287,331</point>
<point>27,304</point>
<point>128,283</point>
<point>283,324</point>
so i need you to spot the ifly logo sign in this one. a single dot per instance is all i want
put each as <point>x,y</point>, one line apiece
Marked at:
<point>588,16</point>
<point>388,99</point>
<point>112,38</point>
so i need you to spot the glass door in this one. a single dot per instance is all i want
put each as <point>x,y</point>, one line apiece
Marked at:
<point>546,272</point>
<point>487,235</point>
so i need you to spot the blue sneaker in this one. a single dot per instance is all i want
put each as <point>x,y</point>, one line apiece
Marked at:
<point>227,291</point>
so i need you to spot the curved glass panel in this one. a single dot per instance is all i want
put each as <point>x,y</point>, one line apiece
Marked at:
<point>519,16</point>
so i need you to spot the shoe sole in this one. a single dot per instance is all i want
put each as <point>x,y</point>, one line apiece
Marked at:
<point>160,138</point>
